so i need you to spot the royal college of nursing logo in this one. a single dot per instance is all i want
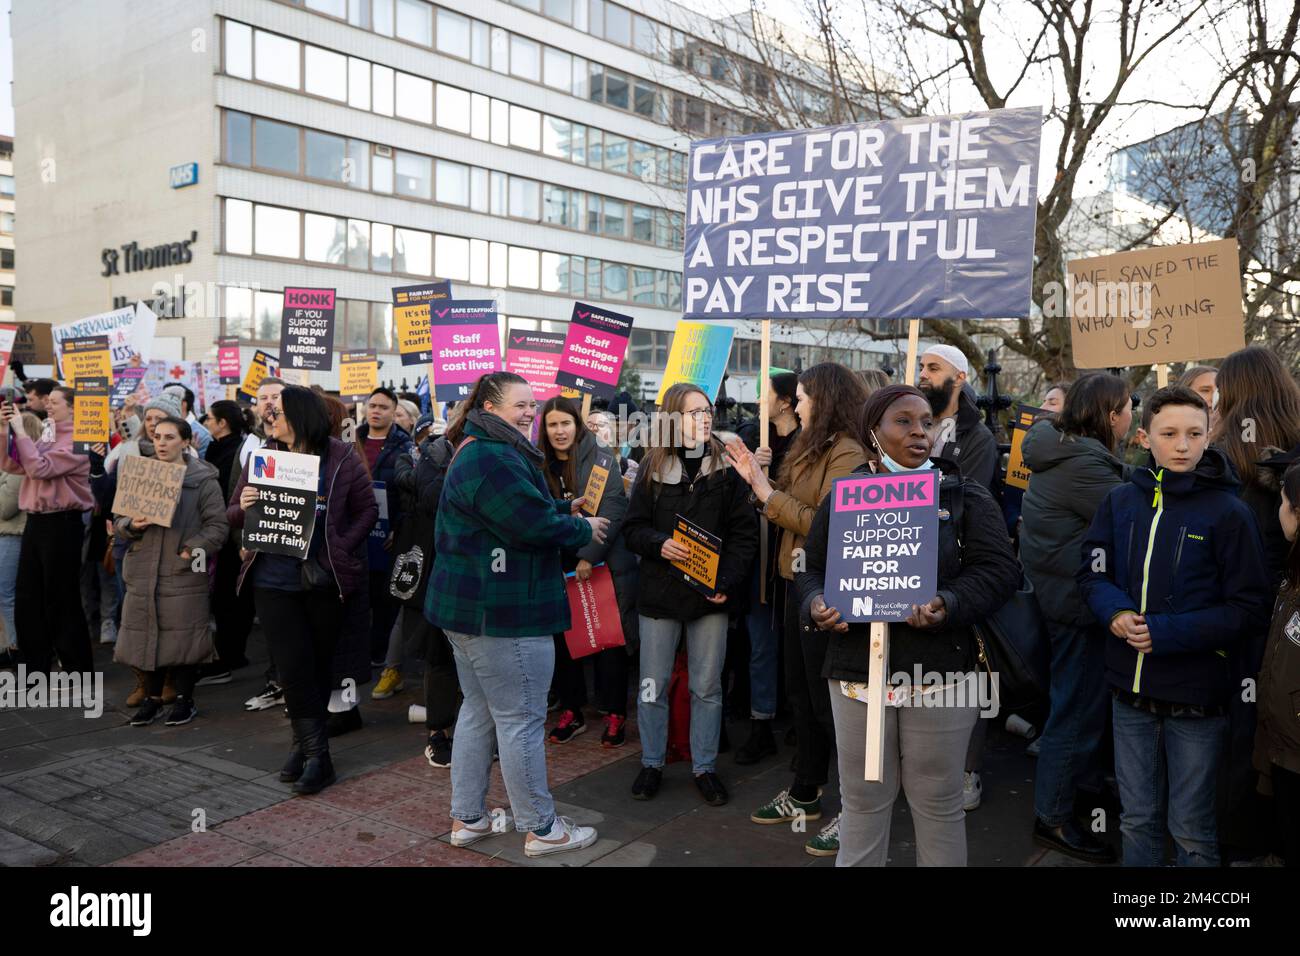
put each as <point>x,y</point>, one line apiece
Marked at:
<point>263,466</point>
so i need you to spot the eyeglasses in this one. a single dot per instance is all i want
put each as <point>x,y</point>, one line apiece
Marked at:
<point>701,413</point>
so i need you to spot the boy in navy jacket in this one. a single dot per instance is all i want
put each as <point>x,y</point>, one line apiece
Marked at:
<point>1173,565</point>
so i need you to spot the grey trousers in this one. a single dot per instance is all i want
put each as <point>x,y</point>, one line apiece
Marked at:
<point>925,753</point>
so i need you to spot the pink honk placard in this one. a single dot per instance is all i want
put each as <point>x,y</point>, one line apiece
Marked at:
<point>594,349</point>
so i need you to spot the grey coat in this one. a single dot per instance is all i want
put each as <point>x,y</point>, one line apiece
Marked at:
<point>165,611</point>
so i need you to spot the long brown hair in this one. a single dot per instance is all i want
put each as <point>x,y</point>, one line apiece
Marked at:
<point>565,406</point>
<point>838,396</point>
<point>666,435</point>
<point>489,388</point>
<point>1259,406</point>
<point>1088,405</point>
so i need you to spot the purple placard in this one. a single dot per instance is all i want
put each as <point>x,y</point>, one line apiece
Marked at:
<point>466,345</point>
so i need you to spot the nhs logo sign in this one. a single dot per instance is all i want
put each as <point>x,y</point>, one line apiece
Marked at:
<point>184,175</point>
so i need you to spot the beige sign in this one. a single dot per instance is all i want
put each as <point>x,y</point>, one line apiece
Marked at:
<point>148,488</point>
<point>1166,304</point>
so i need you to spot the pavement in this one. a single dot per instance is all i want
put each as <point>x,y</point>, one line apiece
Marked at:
<point>94,791</point>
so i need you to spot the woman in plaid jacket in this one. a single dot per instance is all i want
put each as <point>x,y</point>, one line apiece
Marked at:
<point>497,590</point>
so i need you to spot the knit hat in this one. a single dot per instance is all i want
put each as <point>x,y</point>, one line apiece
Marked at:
<point>950,354</point>
<point>168,402</point>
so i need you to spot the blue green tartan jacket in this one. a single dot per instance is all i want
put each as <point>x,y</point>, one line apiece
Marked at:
<point>498,540</point>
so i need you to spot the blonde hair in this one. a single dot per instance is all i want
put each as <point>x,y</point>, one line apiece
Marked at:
<point>32,426</point>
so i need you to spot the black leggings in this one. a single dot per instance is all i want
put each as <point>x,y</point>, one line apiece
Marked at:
<point>441,685</point>
<point>302,629</point>
<point>232,610</point>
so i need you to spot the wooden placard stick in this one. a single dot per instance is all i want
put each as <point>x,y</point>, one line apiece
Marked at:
<point>764,372</point>
<point>913,342</point>
<point>875,768</point>
<point>1162,375</point>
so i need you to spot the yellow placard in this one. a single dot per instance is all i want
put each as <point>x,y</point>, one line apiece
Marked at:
<point>87,358</point>
<point>1017,473</point>
<point>701,565</point>
<point>358,375</point>
<point>91,416</point>
<point>258,369</point>
<point>595,489</point>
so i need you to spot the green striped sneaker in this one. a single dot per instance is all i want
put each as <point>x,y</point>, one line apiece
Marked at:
<point>785,809</point>
<point>827,842</point>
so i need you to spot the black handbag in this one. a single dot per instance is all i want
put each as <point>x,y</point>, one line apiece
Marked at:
<point>1013,643</point>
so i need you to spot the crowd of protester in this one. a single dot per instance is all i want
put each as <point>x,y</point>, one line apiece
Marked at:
<point>1157,535</point>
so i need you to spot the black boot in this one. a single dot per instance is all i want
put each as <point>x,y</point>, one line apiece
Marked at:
<point>293,764</point>
<point>318,769</point>
<point>760,744</point>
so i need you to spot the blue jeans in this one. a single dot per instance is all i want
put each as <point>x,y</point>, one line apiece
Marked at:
<point>10,546</point>
<point>1166,767</point>
<point>1075,723</point>
<point>762,650</point>
<point>706,647</point>
<point>504,680</point>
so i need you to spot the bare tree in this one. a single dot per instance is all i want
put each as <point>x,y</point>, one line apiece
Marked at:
<point>1087,60</point>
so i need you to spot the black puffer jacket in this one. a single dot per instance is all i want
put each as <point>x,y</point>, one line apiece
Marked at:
<point>977,575</point>
<point>1071,478</point>
<point>718,501</point>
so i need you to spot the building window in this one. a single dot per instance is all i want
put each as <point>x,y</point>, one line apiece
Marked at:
<point>452,183</point>
<point>383,90</point>
<point>523,268</point>
<point>335,8</point>
<point>356,324</point>
<point>561,10</point>
<point>239,139</point>
<point>453,34</point>
<point>643,286</point>
<point>618,24</point>
<point>478,189</point>
<point>276,145</point>
<point>383,172</point>
<point>616,89</point>
<point>525,128</point>
<point>615,218</point>
<point>239,312</point>
<point>644,37</point>
<point>275,232</point>
<point>6,222</point>
<point>325,239</point>
<point>643,223</point>
<point>453,109</point>
<point>6,295</point>
<point>557,68</point>
<point>381,247</point>
<point>413,252</point>
<point>356,167</point>
<point>615,281</point>
<point>451,253</point>
<point>381,326</point>
<point>481,48</point>
<point>239,50</point>
<point>415,21</point>
<point>383,12</point>
<point>276,59</point>
<point>414,98</point>
<point>267,309</point>
<point>325,156</point>
<point>525,58</point>
<point>414,175</point>
<point>615,153</point>
<point>358,244</point>
<point>326,74</point>
<point>649,347</point>
<point>239,227</point>
<point>524,198</point>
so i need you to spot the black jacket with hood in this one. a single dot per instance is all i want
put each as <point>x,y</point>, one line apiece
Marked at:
<point>973,449</point>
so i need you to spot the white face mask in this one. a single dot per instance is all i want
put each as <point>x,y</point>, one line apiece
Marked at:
<point>894,466</point>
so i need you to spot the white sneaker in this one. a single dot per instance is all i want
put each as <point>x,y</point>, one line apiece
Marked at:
<point>473,832</point>
<point>108,632</point>
<point>563,835</point>
<point>971,790</point>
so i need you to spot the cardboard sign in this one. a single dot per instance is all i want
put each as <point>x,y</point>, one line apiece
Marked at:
<point>929,217</point>
<point>699,357</point>
<point>86,358</point>
<point>282,518</point>
<point>129,330</point>
<point>466,345</point>
<point>262,366</point>
<point>535,357</point>
<point>593,610</point>
<point>882,552</point>
<point>307,329</point>
<point>128,382</point>
<point>700,569</point>
<point>1152,306</point>
<point>1017,473</point>
<point>411,319</point>
<point>375,553</point>
<point>34,344</point>
<point>595,489</point>
<point>228,361</point>
<point>594,349</point>
<point>91,418</point>
<point>358,375</point>
<point>8,335</point>
<point>148,488</point>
